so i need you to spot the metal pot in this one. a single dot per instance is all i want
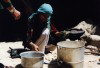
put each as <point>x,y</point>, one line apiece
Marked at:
<point>32,59</point>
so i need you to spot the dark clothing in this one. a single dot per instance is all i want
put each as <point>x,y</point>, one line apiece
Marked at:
<point>6,25</point>
<point>35,29</point>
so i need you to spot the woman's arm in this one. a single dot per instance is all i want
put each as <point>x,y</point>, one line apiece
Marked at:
<point>8,5</point>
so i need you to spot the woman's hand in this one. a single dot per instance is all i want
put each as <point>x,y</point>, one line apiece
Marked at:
<point>58,34</point>
<point>34,47</point>
<point>16,14</point>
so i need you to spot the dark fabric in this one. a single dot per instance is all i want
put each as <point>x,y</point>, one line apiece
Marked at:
<point>6,24</point>
<point>37,26</point>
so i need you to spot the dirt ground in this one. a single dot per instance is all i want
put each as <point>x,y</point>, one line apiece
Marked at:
<point>90,60</point>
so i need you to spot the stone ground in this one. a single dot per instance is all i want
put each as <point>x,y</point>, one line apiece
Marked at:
<point>90,60</point>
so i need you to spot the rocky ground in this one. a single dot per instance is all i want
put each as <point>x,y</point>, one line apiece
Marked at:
<point>91,60</point>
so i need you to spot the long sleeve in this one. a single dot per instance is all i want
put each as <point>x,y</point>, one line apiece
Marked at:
<point>53,28</point>
<point>7,5</point>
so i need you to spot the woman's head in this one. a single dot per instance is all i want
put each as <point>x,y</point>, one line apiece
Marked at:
<point>46,9</point>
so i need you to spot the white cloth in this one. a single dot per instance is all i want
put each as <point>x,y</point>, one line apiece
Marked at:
<point>43,40</point>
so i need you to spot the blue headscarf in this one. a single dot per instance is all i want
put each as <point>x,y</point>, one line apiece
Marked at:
<point>44,8</point>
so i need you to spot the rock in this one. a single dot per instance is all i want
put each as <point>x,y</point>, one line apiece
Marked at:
<point>51,56</point>
<point>86,27</point>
